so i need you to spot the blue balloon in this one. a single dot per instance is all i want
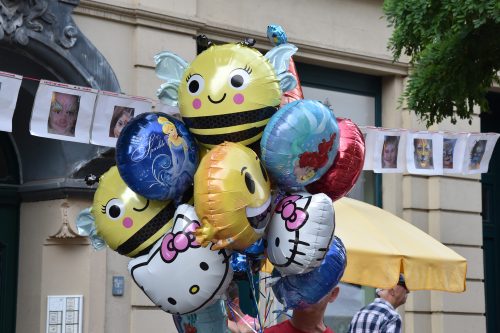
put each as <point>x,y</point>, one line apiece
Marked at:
<point>299,144</point>
<point>212,319</point>
<point>301,290</point>
<point>156,156</point>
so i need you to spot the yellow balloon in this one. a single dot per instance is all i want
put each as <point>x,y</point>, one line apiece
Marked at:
<point>228,93</point>
<point>232,197</point>
<point>129,223</point>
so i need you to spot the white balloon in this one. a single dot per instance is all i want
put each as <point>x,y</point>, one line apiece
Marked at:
<point>179,275</point>
<point>300,232</point>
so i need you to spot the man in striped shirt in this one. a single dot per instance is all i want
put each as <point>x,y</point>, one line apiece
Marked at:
<point>380,316</point>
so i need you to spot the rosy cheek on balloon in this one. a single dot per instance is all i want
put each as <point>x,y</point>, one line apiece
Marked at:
<point>128,222</point>
<point>196,103</point>
<point>238,98</point>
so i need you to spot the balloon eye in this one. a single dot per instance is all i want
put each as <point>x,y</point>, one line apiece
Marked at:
<point>239,79</point>
<point>264,172</point>
<point>195,84</point>
<point>250,183</point>
<point>114,209</point>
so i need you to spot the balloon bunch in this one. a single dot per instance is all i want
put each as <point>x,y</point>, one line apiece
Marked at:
<point>248,174</point>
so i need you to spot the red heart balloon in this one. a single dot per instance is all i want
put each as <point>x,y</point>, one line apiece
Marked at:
<point>348,163</point>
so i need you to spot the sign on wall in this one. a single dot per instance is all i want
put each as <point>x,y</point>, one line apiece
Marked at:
<point>64,314</point>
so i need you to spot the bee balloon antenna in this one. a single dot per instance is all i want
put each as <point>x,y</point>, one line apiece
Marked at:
<point>91,179</point>
<point>249,41</point>
<point>203,43</point>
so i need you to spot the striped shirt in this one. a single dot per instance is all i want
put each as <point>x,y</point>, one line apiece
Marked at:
<point>376,317</point>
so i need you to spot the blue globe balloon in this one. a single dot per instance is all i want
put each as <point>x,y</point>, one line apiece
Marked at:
<point>156,156</point>
<point>301,290</point>
<point>299,144</point>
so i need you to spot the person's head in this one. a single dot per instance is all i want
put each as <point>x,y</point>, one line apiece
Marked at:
<point>121,117</point>
<point>390,152</point>
<point>423,153</point>
<point>396,295</point>
<point>320,306</point>
<point>63,113</point>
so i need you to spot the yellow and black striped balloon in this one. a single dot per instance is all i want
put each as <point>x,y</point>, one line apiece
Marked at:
<point>129,223</point>
<point>228,93</point>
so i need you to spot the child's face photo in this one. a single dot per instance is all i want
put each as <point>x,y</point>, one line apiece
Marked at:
<point>423,153</point>
<point>63,113</point>
<point>448,148</point>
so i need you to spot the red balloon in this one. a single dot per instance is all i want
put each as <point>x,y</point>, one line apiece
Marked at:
<point>348,164</point>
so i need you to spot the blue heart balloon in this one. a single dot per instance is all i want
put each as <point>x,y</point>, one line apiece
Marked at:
<point>299,144</point>
<point>157,156</point>
<point>301,290</point>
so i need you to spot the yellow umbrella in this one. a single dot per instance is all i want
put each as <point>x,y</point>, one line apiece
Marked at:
<point>381,245</point>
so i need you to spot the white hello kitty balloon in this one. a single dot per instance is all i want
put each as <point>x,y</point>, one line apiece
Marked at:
<point>300,232</point>
<point>179,275</point>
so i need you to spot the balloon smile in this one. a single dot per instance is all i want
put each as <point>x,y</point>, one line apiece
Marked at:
<point>258,217</point>
<point>219,101</point>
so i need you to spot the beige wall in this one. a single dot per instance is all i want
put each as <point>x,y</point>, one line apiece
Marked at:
<point>334,33</point>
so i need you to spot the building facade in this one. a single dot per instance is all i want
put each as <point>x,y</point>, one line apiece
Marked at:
<point>342,56</point>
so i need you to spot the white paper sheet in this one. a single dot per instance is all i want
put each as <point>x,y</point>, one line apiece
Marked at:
<point>63,112</point>
<point>112,112</point>
<point>424,153</point>
<point>9,91</point>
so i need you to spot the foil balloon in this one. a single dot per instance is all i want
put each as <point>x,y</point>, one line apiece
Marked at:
<point>178,274</point>
<point>156,156</point>
<point>348,164</point>
<point>277,36</point>
<point>232,197</point>
<point>301,290</point>
<point>229,92</point>
<point>300,232</point>
<point>211,319</point>
<point>299,143</point>
<point>127,222</point>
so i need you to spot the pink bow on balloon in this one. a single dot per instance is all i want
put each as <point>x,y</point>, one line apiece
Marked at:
<point>295,217</point>
<point>174,243</point>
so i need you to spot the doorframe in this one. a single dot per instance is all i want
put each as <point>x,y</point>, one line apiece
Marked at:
<point>491,218</point>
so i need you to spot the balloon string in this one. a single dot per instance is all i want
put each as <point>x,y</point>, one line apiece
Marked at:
<point>252,287</point>
<point>240,317</point>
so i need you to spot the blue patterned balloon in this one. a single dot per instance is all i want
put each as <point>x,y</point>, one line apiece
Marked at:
<point>300,143</point>
<point>301,290</point>
<point>156,156</point>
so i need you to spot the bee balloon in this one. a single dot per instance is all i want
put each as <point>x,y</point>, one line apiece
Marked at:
<point>229,91</point>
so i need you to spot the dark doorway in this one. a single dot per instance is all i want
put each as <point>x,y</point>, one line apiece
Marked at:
<point>9,234</point>
<point>491,218</point>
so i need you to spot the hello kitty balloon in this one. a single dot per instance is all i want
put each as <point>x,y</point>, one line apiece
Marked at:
<point>179,275</point>
<point>300,232</point>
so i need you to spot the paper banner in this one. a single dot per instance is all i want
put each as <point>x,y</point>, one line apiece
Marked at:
<point>63,112</point>
<point>478,152</point>
<point>9,90</point>
<point>424,153</point>
<point>389,151</point>
<point>112,112</point>
<point>370,136</point>
<point>453,151</point>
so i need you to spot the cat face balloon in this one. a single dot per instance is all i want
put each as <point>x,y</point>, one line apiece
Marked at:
<point>300,232</point>
<point>179,275</point>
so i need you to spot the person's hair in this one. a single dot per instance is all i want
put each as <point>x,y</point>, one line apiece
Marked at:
<point>118,112</point>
